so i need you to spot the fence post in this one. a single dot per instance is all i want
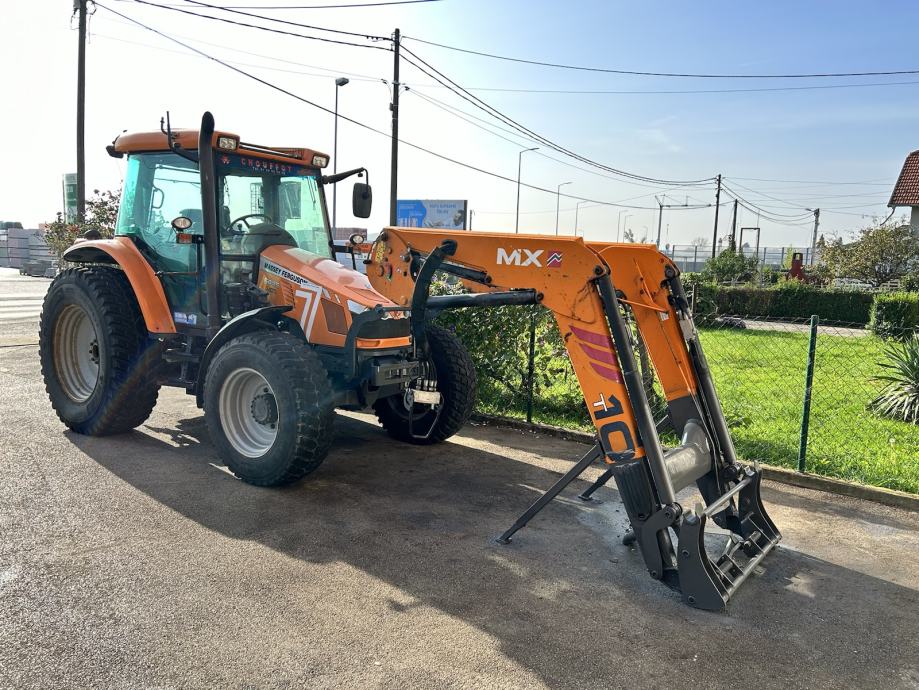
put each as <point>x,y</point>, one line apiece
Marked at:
<point>808,384</point>
<point>530,367</point>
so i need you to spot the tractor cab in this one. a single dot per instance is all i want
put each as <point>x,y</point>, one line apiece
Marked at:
<point>264,197</point>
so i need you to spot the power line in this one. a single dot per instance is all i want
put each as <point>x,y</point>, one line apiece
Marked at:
<point>295,96</point>
<point>354,77</point>
<point>468,117</point>
<point>256,26</point>
<point>817,182</point>
<point>638,92</point>
<point>287,22</point>
<point>326,7</point>
<point>336,72</point>
<point>485,107</point>
<point>582,68</point>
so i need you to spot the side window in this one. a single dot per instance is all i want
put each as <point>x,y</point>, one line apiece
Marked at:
<point>176,191</point>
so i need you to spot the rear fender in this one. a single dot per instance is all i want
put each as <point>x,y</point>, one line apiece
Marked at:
<point>269,318</point>
<point>147,288</point>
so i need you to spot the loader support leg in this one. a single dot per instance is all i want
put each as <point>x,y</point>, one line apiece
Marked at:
<point>572,474</point>
<point>601,481</point>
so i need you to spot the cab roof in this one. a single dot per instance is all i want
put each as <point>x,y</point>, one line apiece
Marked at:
<point>136,142</point>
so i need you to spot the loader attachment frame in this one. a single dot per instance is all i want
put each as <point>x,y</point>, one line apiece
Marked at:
<point>591,288</point>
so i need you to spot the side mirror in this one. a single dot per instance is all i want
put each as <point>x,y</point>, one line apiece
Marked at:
<point>361,200</point>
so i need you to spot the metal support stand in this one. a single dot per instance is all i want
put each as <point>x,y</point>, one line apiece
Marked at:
<point>594,453</point>
<point>601,480</point>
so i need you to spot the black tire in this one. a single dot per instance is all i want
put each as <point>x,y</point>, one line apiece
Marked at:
<point>299,402</point>
<point>456,382</point>
<point>125,389</point>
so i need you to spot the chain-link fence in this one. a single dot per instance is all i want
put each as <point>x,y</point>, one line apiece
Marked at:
<point>795,394</point>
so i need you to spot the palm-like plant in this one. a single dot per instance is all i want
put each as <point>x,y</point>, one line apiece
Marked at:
<point>899,399</point>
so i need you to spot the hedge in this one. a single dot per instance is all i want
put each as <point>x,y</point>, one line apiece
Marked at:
<point>788,300</point>
<point>895,314</point>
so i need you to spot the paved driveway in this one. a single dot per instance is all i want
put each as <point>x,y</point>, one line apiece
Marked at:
<point>137,561</point>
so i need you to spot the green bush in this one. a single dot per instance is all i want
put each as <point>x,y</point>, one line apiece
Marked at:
<point>793,299</point>
<point>730,267</point>
<point>910,282</point>
<point>900,397</point>
<point>895,314</point>
<point>703,291</point>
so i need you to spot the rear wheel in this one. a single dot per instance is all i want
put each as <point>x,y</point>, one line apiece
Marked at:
<point>269,408</point>
<point>99,364</point>
<point>452,370</point>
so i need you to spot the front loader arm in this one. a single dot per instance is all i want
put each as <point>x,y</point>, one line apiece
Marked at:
<point>591,288</point>
<point>566,275</point>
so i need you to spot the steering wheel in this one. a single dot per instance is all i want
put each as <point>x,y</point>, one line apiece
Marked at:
<point>245,220</point>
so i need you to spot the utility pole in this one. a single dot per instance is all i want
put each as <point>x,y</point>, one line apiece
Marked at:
<point>80,6</point>
<point>471,213</point>
<point>732,245</point>
<point>717,207</point>
<point>394,107</point>
<point>816,225</point>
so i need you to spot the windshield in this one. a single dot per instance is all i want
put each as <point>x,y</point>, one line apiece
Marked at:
<point>286,195</point>
<point>159,187</point>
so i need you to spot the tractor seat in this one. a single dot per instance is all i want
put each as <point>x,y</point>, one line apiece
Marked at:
<point>264,235</point>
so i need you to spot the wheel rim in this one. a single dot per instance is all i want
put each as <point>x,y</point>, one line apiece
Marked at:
<point>76,353</point>
<point>248,412</point>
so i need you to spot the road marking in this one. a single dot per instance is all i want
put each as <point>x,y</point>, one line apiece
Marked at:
<point>20,312</point>
<point>31,297</point>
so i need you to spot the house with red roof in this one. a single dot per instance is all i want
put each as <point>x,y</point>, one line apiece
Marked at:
<point>906,191</point>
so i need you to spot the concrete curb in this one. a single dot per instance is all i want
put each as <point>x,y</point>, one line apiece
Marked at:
<point>890,497</point>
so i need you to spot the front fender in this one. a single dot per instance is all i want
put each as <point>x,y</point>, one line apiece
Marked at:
<point>263,317</point>
<point>146,286</point>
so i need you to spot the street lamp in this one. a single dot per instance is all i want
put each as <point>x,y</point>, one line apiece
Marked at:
<point>341,81</point>
<point>558,198</point>
<point>576,207</point>
<point>519,163</point>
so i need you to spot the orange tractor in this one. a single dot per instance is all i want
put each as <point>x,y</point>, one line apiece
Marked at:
<point>220,280</point>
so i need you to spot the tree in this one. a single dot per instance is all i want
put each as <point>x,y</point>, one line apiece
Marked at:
<point>101,215</point>
<point>699,241</point>
<point>878,254</point>
<point>730,267</point>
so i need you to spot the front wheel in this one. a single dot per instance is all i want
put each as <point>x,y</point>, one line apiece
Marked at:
<point>453,371</point>
<point>269,408</point>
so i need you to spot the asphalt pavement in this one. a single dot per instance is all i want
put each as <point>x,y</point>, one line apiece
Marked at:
<point>138,561</point>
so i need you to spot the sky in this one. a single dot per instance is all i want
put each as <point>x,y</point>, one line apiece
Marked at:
<point>782,151</point>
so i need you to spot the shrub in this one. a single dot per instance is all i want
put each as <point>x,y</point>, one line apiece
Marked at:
<point>895,314</point>
<point>705,293</point>
<point>730,267</point>
<point>101,215</point>
<point>910,282</point>
<point>899,399</point>
<point>794,299</point>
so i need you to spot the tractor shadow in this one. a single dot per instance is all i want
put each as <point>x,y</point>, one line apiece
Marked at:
<point>566,599</point>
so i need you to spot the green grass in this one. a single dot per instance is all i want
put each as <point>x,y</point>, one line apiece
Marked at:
<point>760,376</point>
